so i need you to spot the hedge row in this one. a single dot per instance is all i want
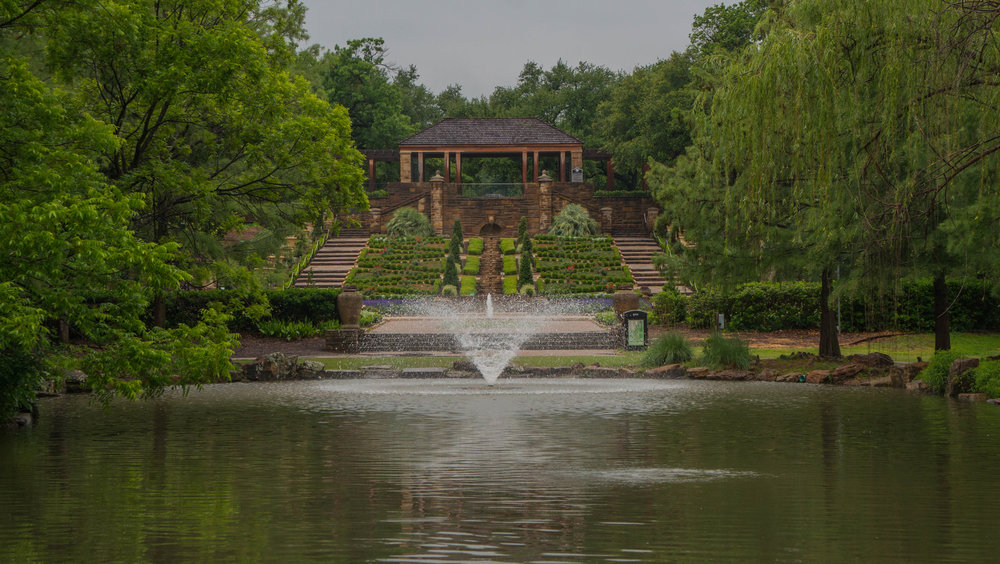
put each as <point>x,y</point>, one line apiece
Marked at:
<point>772,306</point>
<point>315,305</point>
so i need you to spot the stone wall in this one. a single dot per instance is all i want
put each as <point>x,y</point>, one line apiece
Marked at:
<point>442,203</point>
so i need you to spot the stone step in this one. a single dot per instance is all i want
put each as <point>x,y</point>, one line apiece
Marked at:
<point>383,342</point>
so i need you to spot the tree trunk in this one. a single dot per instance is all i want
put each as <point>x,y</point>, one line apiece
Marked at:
<point>942,317</point>
<point>159,311</point>
<point>829,340</point>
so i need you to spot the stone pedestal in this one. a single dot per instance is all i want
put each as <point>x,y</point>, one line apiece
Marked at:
<point>344,341</point>
<point>349,303</point>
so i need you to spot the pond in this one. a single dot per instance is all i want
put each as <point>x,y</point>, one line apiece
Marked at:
<point>528,471</point>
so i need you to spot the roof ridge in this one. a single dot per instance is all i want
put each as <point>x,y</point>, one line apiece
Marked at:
<point>527,130</point>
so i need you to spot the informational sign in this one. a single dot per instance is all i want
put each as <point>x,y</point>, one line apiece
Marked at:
<point>635,329</point>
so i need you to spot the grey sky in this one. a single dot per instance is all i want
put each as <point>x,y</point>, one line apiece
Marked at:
<point>483,44</point>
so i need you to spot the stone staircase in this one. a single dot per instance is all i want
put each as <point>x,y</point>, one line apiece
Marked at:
<point>638,253</point>
<point>333,261</point>
<point>490,267</point>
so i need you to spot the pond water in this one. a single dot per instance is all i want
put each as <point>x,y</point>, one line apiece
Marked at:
<point>529,471</point>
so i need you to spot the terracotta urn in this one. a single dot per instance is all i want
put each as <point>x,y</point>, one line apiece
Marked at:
<point>624,299</point>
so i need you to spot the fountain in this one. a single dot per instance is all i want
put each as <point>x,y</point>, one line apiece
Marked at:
<point>489,333</point>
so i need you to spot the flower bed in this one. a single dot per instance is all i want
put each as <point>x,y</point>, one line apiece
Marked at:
<point>475,246</point>
<point>578,265</point>
<point>400,266</point>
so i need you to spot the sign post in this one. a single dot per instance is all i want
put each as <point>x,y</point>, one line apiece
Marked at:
<point>636,334</point>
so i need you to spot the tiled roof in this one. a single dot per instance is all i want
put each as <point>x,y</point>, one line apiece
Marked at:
<point>491,131</point>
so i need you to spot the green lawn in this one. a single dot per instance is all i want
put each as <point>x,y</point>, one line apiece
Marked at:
<point>904,348</point>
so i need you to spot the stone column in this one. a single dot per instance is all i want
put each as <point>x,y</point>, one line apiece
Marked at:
<point>405,167</point>
<point>524,167</point>
<point>437,203</point>
<point>447,166</point>
<point>544,202</point>
<point>651,215</point>
<point>420,166</point>
<point>606,219</point>
<point>562,166</point>
<point>458,169</point>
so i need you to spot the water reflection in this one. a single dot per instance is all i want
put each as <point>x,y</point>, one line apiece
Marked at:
<point>532,470</point>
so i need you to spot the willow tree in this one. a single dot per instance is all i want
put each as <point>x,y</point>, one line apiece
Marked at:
<point>866,132</point>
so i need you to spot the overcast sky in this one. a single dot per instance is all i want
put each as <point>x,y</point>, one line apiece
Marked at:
<point>483,44</point>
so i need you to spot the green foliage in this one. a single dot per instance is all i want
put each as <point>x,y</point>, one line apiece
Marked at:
<point>607,317</point>
<point>471,265</point>
<point>524,274</point>
<point>400,266</point>
<point>509,264</point>
<point>936,373</point>
<point>209,149</point>
<point>247,311</point>
<point>672,348</point>
<point>573,221</point>
<point>578,265</point>
<point>369,317</point>
<point>509,285</point>
<point>456,231</point>
<point>726,352</point>
<point>669,306</point>
<point>476,246</point>
<point>987,378</point>
<point>468,287</point>
<point>449,291</point>
<point>507,246</point>
<point>528,290</point>
<point>408,222</point>
<point>522,227</point>
<point>287,330</point>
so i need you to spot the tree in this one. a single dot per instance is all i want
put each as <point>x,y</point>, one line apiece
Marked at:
<point>524,275</point>
<point>860,133</point>
<point>213,134</point>
<point>69,257</point>
<point>729,28</point>
<point>356,77</point>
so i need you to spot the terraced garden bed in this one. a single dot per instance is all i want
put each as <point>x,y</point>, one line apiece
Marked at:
<point>578,265</point>
<point>400,266</point>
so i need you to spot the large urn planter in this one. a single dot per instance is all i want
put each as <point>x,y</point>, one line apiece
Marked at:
<point>624,299</point>
<point>349,307</point>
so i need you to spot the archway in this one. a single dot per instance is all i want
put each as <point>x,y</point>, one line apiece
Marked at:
<point>490,230</point>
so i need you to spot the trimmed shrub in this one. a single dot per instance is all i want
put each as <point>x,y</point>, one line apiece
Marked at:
<point>450,273</point>
<point>476,246</point>
<point>669,306</point>
<point>456,230</point>
<point>471,265</point>
<point>936,373</point>
<point>528,290</point>
<point>449,291</point>
<point>725,352</point>
<point>468,286</point>
<point>509,285</point>
<point>987,378</point>
<point>507,246</point>
<point>524,275</point>
<point>509,264</point>
<point>668,349</point>
<point>315,305</point>
<point>522,227</point>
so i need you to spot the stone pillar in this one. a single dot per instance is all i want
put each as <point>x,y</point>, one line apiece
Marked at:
<point>458,169</point>
<point>447,166</point>
<point>524,167</point>
<point>405,167</point>
<point>576,159</point>
<point>562,166</point>
<point>437,203</point>
<point>420,166</point>
<point>651,215</point>
<point>544,202</point>
<point>537,172</point>
<point>606,219</point>
<point>371,175</point>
